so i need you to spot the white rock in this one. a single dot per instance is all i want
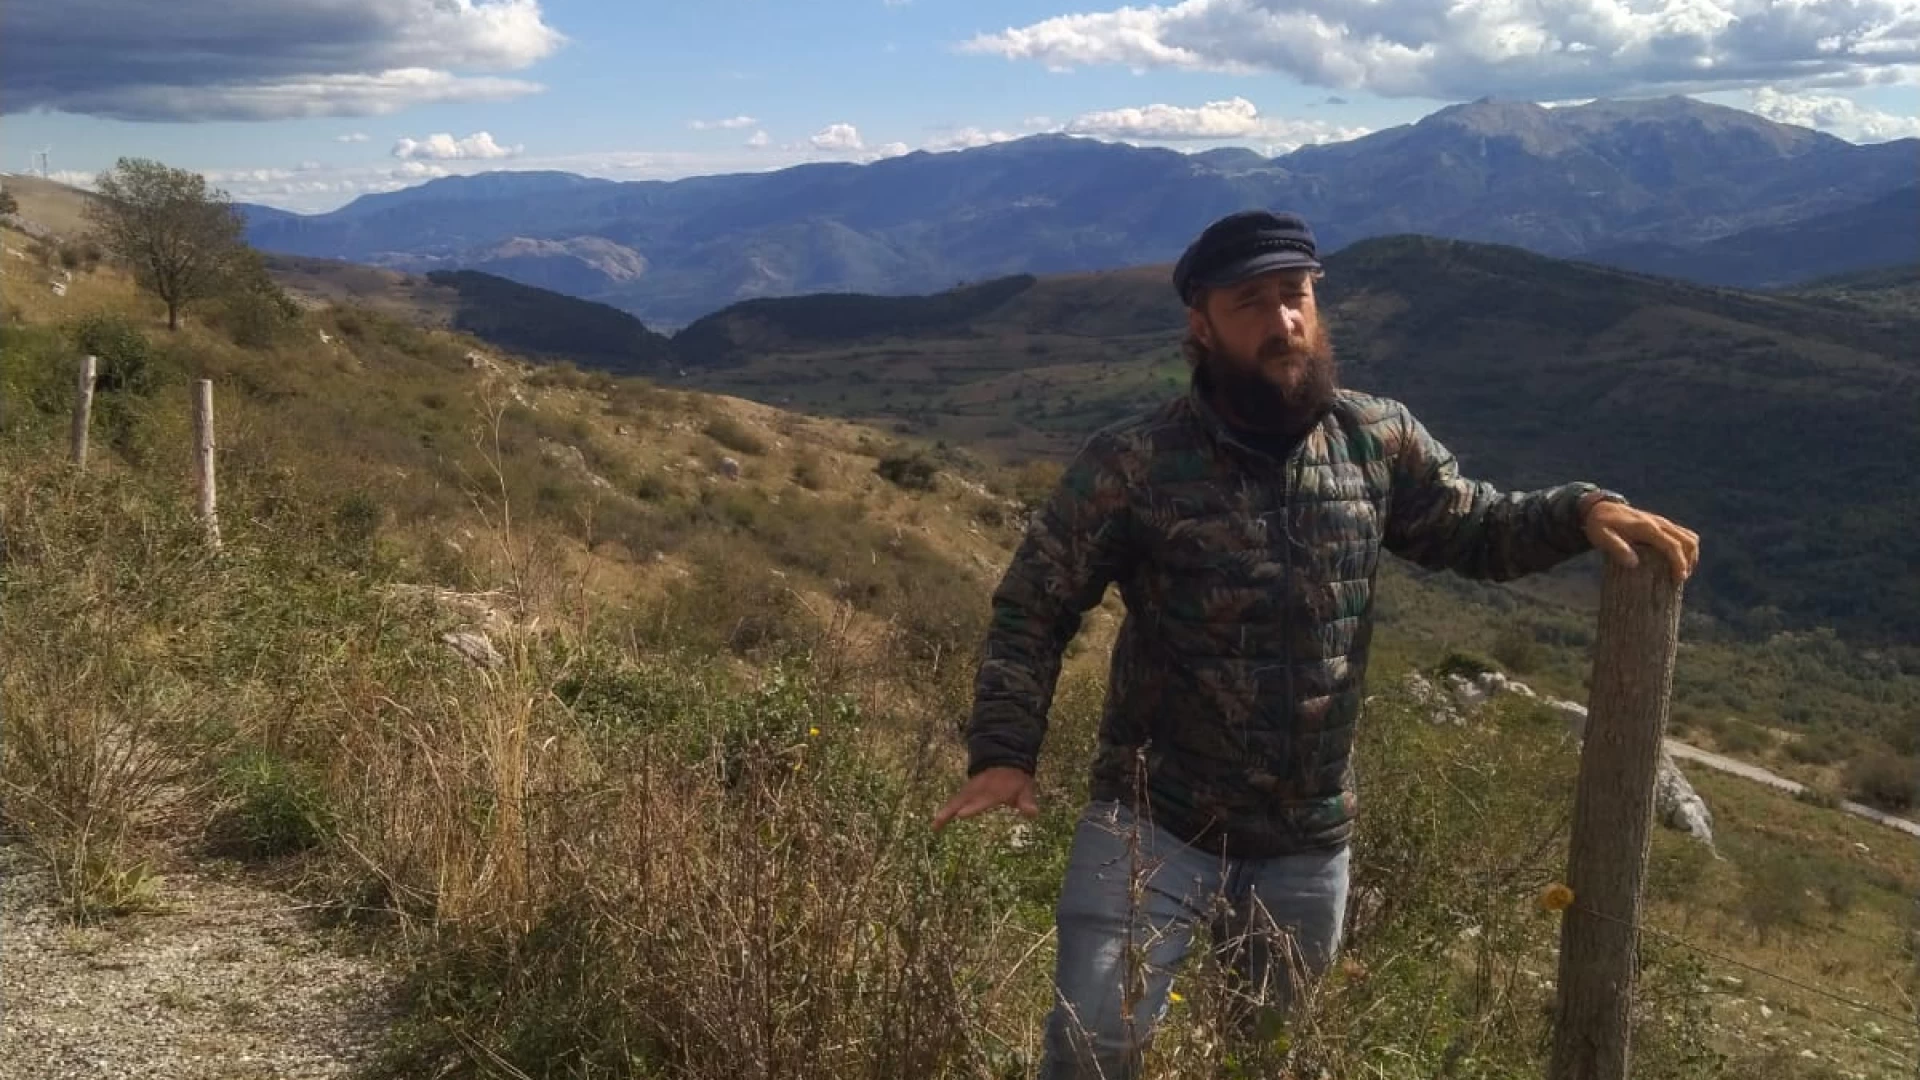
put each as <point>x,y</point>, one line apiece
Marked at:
<point>1861,848</point>
<point>729,468</point>
<point>1766,1013</point>
<point>474,646</point>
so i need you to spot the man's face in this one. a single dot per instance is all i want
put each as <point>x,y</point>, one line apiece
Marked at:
<point>1269,354</point>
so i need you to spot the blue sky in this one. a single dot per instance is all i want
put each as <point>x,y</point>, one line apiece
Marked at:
<point>307,103</point>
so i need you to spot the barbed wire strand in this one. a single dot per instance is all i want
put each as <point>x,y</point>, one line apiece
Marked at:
<point>1903,1021</point>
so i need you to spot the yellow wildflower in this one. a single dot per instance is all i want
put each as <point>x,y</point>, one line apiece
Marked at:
<point>812,732</point>
<point>1175,996</point>
<point>1556,897</point>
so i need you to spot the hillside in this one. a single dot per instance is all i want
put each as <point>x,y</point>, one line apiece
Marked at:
<point>501,312</point>
<point>1871,237</point>
<point>1563,181</point>
<point>597,704</point>
<point>1707,404</point>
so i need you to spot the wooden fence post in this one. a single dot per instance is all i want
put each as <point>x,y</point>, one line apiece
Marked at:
<point>1633,658</point>
<point>83,409</point>
<point>203,457</point>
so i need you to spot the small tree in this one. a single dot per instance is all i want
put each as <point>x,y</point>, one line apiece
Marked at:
<point>180,238</point>
<point>8,204</point>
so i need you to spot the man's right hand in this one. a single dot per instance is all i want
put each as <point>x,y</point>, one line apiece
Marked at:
<point>1000,785</point>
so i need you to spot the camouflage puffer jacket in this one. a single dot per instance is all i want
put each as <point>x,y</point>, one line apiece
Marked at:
<point>1238,672</point>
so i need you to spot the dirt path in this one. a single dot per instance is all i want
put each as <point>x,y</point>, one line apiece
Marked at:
<point>1759,775</point>
<point>223,982</point>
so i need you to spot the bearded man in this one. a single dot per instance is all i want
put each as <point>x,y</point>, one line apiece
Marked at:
<point>1243,523</point>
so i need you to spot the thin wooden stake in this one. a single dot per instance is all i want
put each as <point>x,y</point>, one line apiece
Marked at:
<point>1633,658</point>
<point>83,409</point>
<point>203,457</point>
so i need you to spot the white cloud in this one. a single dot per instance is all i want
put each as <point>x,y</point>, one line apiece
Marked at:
<point>1037,123</point>
<point>759,140</point>
<point>886,150</point>
<point>729,124</point>
<point>351,137</point>
<point>1454,51</point>
<point>1833,114</point>
<point>266,59</point>
<point>72,178</point>
<point>966,138</point>
<point>246,176</point>
<point>444,147</point>
<point>1233,119</point>
<point>838,138</point>
<point>418,170</point>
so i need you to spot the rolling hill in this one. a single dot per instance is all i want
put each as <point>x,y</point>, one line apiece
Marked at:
<point>1561,181</point>
<point>1877,235</point>
<point>538,322</point>
<point>1779,426</point>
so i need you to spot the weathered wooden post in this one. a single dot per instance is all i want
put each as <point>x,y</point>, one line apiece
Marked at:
<point>203,457</point>
<point>1633,657</point>
<point>83,409</point>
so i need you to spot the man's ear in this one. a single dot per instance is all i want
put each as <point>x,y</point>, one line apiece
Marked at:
<point>1197,323</point>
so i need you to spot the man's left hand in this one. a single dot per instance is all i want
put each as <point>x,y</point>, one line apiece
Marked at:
<point>1615,528</point>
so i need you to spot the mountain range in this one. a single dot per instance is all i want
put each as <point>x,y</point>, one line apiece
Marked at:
<point>1669,184</point>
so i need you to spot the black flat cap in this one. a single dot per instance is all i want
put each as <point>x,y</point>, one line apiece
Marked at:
<point>1243,244</point>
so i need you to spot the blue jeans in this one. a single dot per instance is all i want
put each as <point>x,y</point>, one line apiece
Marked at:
<point>1130,904</point>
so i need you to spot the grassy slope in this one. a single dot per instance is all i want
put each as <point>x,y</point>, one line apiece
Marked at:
<point>356,466</point>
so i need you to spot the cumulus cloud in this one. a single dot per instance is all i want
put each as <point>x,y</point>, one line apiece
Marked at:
<point>1833,114</point>
<point>1235,118</point>
<point>418,170</point>
<point>759,140</point>
<point>444,147</point>
<point>1448,50</point>
<point>265,59</point>
<point>246,176</point>
<point>728,124</point>
<point>838,138</point>
<point>967,138</point>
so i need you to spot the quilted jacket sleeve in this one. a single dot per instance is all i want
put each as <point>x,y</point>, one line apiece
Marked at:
<point>1445,521</point>
<point>1076,544</point>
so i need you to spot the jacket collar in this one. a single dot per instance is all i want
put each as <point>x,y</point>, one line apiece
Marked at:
<point>1216,426</point>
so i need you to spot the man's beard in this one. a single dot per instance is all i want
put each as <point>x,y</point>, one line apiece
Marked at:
<point>1256,399</point>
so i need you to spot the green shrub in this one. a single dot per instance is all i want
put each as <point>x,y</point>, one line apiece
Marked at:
<point>126,357</point>
<point>1744,737</point>
<point>272,807</point>
<point>1774,888</point>
<point>1819,748</point>
<point>1467,665</point>
<point>912,471</point>
<point>1890,782</point>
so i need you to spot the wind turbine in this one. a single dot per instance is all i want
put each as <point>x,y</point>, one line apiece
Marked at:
<point>42,155</point>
